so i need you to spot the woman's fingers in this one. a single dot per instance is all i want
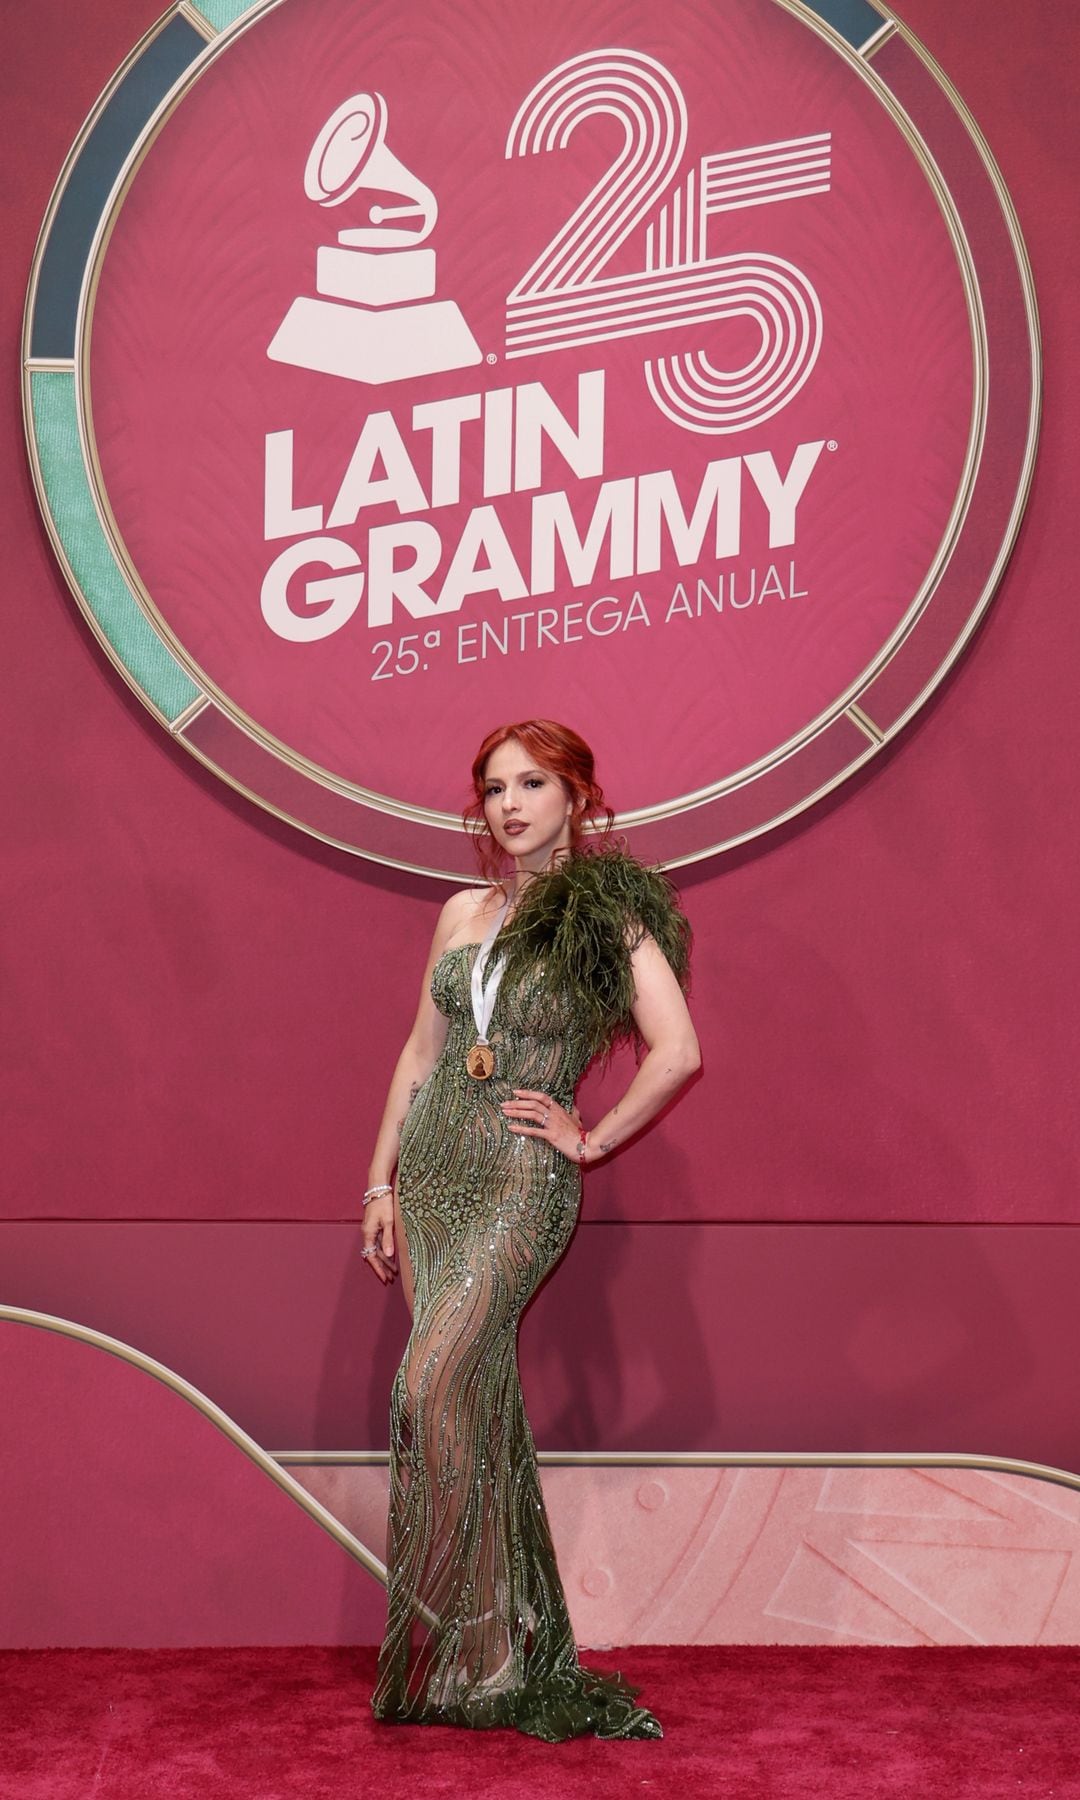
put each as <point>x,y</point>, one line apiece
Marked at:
<point>528,1103</point>
<point>529,1099</point>
<point>374,1262</point>
<point>378,1245</point>
<point>537,1116</point>
<point>533,1114</point>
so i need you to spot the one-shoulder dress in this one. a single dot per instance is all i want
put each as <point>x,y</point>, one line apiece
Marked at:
<point>478,1632</point>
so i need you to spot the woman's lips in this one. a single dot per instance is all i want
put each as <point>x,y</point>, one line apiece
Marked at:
<point>515,829</point>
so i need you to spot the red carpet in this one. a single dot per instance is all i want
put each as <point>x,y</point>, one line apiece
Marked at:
<point>746,1724</point>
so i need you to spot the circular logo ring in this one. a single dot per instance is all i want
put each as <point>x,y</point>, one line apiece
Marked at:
<point>949,599</point>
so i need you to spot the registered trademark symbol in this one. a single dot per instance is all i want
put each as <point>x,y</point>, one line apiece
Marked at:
<point>491,356</point>
<point>832,444</point>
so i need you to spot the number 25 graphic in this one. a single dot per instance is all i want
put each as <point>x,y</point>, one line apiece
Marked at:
<point>564,299</point>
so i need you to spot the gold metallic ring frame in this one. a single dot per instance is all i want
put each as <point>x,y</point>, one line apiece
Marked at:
<point>274,1463</point>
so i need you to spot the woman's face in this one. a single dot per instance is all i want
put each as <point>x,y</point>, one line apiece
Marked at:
<point>527,808</point>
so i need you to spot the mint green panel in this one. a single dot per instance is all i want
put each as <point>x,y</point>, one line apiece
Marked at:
<point>223,12</point>
<point>98,576</point>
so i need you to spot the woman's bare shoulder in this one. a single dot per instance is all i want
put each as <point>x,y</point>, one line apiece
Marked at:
<point>468,905</point>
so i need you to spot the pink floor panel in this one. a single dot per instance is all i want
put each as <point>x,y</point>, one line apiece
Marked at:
<point>793,1556</point>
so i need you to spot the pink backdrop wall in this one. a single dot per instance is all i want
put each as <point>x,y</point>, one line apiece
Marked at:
<point>857,1231</point>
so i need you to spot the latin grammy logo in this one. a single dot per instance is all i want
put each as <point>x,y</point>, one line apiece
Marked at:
<point>375,319</point>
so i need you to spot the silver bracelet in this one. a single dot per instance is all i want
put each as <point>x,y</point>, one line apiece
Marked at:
<point>372,1193</point>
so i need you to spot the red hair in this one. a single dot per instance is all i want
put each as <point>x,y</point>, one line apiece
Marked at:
<point>562,753</point>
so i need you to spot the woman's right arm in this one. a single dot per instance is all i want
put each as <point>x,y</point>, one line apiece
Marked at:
<point>414,1065</point>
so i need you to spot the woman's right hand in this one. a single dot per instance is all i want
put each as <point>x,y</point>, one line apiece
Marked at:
<point>378,1246</point>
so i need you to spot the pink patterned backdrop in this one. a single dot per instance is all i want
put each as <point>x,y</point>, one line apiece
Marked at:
<point>856,1232</point>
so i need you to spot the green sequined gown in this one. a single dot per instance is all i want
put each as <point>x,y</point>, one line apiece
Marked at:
<point>478,1632</point>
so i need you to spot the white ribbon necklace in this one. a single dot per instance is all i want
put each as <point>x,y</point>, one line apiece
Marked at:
<point>481,1061</point>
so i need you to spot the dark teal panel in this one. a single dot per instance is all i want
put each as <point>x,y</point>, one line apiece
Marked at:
<point>854,19</point>
<point>100,161</point>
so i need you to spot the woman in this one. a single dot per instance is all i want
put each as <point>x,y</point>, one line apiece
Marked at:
<point>527,980</point>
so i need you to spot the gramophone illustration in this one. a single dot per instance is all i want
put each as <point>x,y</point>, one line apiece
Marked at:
<point>375,319</point>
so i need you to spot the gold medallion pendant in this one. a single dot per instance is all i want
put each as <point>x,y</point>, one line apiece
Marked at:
<point>480,1062</point>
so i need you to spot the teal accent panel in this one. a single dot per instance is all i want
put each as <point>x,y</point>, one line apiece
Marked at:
<point>223,12</point>
<point>853,19</point>
<point>150,663</point>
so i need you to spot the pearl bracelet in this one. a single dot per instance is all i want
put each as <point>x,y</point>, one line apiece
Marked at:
<point>372,1193</point>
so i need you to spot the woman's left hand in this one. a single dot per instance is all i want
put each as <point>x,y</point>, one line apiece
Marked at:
<point>532,1114</point>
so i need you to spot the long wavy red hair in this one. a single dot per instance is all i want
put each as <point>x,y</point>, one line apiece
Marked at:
<point>563,754</point>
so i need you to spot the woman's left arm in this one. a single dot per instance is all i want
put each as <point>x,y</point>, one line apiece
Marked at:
<point>672,1055</point>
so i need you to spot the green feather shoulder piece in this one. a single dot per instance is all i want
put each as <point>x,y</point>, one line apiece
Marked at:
<point>582,919</point>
